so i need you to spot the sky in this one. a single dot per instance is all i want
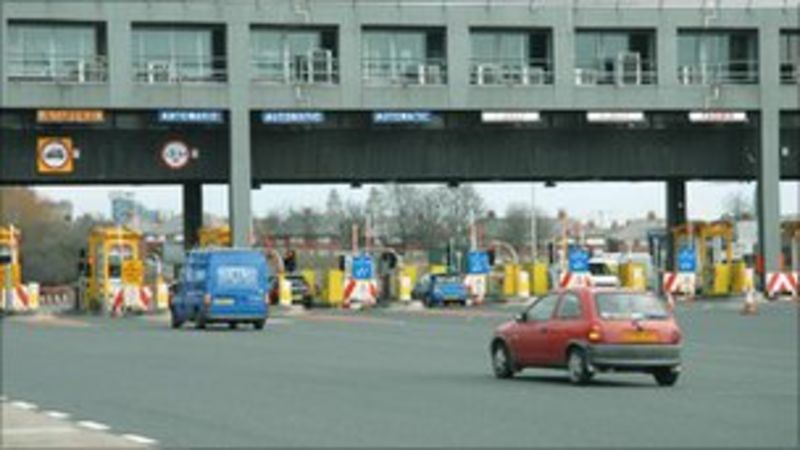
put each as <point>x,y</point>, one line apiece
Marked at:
<point>597,201</point>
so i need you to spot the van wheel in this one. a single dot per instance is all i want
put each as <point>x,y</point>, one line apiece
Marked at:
<point>665,377</point>
<point>232,325</point>
<point>200,322</point>
<point>501,361</point>
<point>175,321</point>
<point>577,367</point>
<point>259,324</point>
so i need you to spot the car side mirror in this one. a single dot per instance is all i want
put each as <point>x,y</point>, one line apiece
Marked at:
<point>521,317</point>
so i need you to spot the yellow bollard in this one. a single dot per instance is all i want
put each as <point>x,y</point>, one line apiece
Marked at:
<point>405,288</point>
<point>284,291</point>
<point>637,279</point>
<point>523,284</point>
<point>335,288</point>
<point>539,284</point>
<point>739,278</point>
<point>411,273</point>
<point>510,280</point>
<point>33,296</point>
<point>162,294</point>
<point>311,278</point>
<point>722,280</point>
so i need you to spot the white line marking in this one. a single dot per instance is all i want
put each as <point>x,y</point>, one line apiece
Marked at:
<point>96,426</point>
<point>57,415</point>
<point>24,405</point>
<point>140,439</point>
<point>37,431</point>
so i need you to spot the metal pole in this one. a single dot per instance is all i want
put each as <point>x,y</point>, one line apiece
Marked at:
<point>534,237</point>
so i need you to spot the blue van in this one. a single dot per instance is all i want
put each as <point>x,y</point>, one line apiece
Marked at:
<point>439,289</point>
<point>222,285</point>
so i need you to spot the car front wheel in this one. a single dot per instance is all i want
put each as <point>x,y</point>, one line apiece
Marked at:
<point>501,361</point>
<point>259,324</point>
<point>666,377</point>
<point>577,367</point>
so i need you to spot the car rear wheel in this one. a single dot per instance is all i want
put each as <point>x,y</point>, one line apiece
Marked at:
<point>259,324</point>
<point>501,361</point>
<point>577,367</point>
<point>666,377</point>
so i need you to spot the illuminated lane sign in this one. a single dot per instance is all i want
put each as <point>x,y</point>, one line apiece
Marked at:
<point>292,117</point>
<point>189,116</point>
<point>615,117</point>
<point>70,116</point>
<point>717,117</point>
<point>510,117</point>
<point>402,117</point>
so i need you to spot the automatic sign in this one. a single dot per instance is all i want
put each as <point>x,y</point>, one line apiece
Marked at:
<point>362,267</point>
<point>578,260</point>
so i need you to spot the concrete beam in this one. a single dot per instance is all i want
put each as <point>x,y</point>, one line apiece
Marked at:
<point>240,181</point>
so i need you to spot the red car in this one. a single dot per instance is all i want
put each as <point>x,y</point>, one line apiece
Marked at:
<point>587,331</point>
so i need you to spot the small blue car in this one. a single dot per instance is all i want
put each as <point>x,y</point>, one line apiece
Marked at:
<point>439,289</point>
<point>222,285</point>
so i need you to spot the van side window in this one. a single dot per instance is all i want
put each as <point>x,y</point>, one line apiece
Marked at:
<point>570,307</point>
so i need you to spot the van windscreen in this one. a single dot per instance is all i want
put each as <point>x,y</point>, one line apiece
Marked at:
<point>237,277</point>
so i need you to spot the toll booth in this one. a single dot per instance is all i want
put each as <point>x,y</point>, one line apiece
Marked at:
<point>115,272</point>
<point>15,297</point>
<point>219,236</point>
<point>713,242</point>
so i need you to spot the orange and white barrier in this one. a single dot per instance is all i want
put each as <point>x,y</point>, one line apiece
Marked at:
<point>476,287</point>
<point>21,298</point>
<point>363,292</point>
<point>574,279</point>
<point>131,298</point>
<point>782,283</point>
<point>679,283</point>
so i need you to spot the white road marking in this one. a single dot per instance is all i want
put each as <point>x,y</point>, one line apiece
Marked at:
<point>140,439</point>
<point>96,426</point>
<point>24,405</point>
<point>57,415</point>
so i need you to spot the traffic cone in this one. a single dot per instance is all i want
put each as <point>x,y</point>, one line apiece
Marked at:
<point>749,307</point>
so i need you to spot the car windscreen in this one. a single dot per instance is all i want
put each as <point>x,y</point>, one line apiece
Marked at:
<point>237,277</point>
<point>625,306</point>
<point>599,269</point>
<point>449,279</point>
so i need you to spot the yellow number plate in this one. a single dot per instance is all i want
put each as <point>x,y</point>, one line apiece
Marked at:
<point>640,336</point>
<point>223,301</point>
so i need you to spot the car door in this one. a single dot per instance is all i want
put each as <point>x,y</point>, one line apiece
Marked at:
<point>531,338</point>
<point>568,323</point>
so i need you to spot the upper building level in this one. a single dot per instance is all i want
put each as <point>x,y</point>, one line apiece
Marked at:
<point>440,54</point>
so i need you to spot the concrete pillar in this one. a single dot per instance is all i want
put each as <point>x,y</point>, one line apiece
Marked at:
<point>769,164</point>
<point>240,181</point>
<point>192,213</point>
<point>564,50</point>
<point>676,215</point>
<point>458,43</point>
<point>120,65</point>
<point>667,54</point>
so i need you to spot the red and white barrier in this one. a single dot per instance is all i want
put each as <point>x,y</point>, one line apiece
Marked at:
<point>21,298</point>
<point>782,283</point>
<point>131,298</point>
<point>476,287</point>
<point>679,283</point>
<point>574,279</point>
<point>364,292</point>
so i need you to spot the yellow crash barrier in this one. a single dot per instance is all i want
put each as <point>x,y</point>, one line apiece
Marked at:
<point>405,286</point>
<point>411,273</point>
<point>540,284</point>
<point>335,288</point>
<point>510,279</point>
<point>311,278</point>
<point>436,269</point>
<point>632,276</point>
<point>284,291</point>
<point>523,283</point>
<point>721,284</point>
<point>739,278</point>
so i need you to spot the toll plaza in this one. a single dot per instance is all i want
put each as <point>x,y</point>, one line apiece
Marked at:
<point>15,297</point>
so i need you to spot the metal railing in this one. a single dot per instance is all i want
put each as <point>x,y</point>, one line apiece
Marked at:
<point>316,67</point>
<point>627,69</point>
<point>732,72</point>
<point>515,72</point>
<point>179,69</point>
<point>404,71</point>
<point>57,68</point>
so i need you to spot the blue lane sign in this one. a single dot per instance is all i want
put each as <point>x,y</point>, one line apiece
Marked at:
<point>402,117</point>
<point>292,117</point>
<point>362,267</point>
<point>189,116</point>
<point>578,260</point>
<point>478,262</point>
<point>687,261</point>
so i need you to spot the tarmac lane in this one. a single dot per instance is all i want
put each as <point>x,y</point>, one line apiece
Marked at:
<point>392,378</point>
